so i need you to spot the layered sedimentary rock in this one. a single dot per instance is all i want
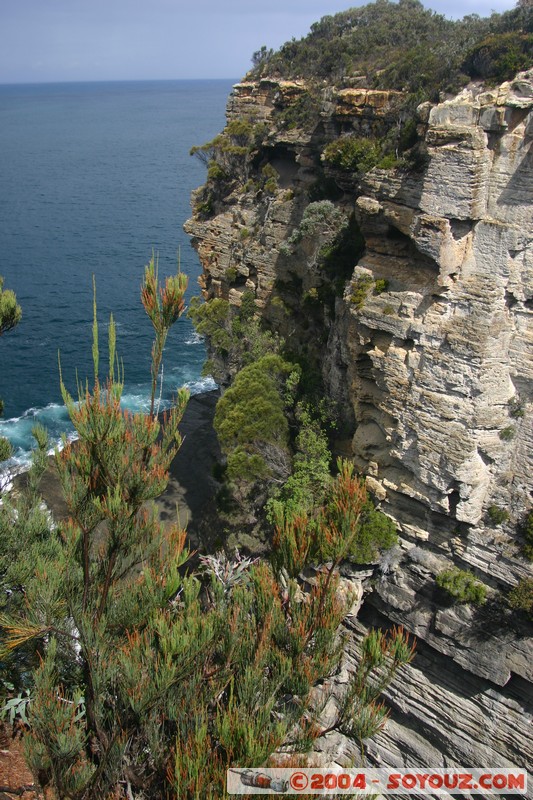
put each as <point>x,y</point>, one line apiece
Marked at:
<point>433,373</point>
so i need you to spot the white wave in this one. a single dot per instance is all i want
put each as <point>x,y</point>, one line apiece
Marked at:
<point>194,338</point>
<point>55,418</point>
<point>201,385</point>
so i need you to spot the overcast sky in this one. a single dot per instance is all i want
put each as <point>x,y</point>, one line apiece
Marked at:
<point>69,40</point>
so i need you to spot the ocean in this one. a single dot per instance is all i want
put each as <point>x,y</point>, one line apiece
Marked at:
<point>94,177</point>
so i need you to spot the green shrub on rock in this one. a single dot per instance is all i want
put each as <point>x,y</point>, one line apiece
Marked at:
<point>500,56</point>
<point>360,289</point>
<point>507,434</point>
<point>528,535</point>
<point>497,515</point>
<point>461,586</point>
<point>521,597</point>
<point>352,154</point>
<point>343,526</point>
<point>251,423</point>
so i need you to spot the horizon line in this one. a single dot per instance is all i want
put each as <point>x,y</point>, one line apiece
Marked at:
<point>112,80</point>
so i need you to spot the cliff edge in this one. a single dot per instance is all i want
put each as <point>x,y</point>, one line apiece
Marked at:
<point>409,282</point>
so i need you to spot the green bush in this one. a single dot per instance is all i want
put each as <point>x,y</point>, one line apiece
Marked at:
<point>231,330</point>
<point>528,535</point>
<point>6,450</point>
<point>516,408</point>
<point>352,154</point>
<point>305,487</point>
<point>507,434</point>
<point>343,526</point>
<point>381,285</point>
<point>231,275</point>
<point>377,533</point>
<point>500,56</point>
<point>269,179</point>
<point>521,597</point>
<point>339,257</point>
<point>461,586</point>
<point>497,515</point>
<point>302,113</point>
<point>360,289</point>
<point>251,423</point>
<point>215,172</point>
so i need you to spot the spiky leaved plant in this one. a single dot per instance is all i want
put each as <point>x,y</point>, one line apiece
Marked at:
<point>10,315</point>
<point>100,602</point>
<point>151,682</point>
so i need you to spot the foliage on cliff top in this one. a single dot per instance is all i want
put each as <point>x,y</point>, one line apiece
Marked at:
<point>403,46</point>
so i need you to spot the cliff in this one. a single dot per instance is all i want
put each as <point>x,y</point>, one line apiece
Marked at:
<point>412,289</point>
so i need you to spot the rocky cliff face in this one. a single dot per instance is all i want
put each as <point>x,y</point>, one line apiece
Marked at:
<point>424,336</point>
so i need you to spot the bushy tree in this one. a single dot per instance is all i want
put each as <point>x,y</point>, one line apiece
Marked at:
<point>10,315</point>
<point>98,598</point>
<point>235,336</point>
<point>251,423</point>
<point>460,586</point>
<point>25,539</point>
<point>153,679</point>
<point>342,526</point>
<point>10,311</point>
<point>353,154</point>
<point>520,597</point>
<point>229,155</point>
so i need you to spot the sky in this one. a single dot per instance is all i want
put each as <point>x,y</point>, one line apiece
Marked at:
<point>82,40</point>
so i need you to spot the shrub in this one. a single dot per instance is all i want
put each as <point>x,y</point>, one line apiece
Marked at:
<point>211,319</point>
<point>269,179</point>
<point>500,56</point>
<point>528,535</point>
<point>507,434</point>
<point>521,597</point>
<point>10,311</point>
<point>231,274</point>
<point>388,161</point>
<point>305,488</point>
<point>377,533</point>
<point>344,526</point>
<point>381,285</point>
<point>319,217</point>
<point>6,450</point>
<point>302,112</point>
<point>461,586</point>
<point>497,515</point>
<point>235,336</point>
<point>251,424</point>
<point>360,288</point>
<point>339,256</point>
<point>215,172</point>
<point>516,408</point>
<point>352,154</point>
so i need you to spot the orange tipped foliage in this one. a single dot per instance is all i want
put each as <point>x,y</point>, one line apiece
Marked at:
<point>152,677</point>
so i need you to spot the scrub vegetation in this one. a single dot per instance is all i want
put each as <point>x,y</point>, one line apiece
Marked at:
<point>406,47</point>
<point>138,674</point>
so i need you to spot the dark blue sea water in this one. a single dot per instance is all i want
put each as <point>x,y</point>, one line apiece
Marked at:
<point>93,177</point>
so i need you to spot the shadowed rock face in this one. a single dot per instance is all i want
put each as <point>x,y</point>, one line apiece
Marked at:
<point>434,374</point>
